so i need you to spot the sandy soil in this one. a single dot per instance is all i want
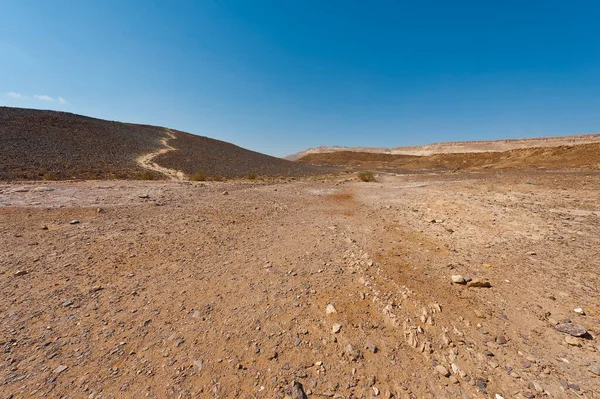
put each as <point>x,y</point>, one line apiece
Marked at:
<point>174,290</point>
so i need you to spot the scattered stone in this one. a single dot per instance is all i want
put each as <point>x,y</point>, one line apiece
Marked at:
<point>336,328</point>
<point>74,221</point>
<point>528,395</point>
<point>144,196</point>
<point>375,391</point>
<point>59,369</point>
<point>296,391</point>
<point>572,340</point>
<point>481,384</point>
<point>459,279</point>
<point>330,309</point>
<point>576,330</point>
<point>353,353</point>
<point>67,303</point>
<point>225,192</point>
<point>96,288</point>
<point>500,340</point>
<point>442,370</point>
<point>19,273</point>
<point>44,227</point>
<point>579,311</point>
<point>198,363</point>
<point>594,369</point>
<point>479,283</point>
<point>499,396</point>
<point>100,210</point>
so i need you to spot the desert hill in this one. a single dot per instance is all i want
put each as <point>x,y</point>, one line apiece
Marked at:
<point>582,155</point>
<point>459,146</point>
<point>51,145</point>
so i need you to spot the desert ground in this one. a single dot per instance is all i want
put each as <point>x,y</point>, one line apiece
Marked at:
<point>326,287</point>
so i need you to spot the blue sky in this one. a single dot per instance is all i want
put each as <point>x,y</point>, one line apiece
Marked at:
<point>280,76</point>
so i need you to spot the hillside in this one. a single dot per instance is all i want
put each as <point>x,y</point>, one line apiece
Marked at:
<point>460,146</point>
<point>583,155</point>
<point>52,145</point>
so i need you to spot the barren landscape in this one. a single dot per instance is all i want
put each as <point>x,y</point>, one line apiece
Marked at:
<point>349,289</point>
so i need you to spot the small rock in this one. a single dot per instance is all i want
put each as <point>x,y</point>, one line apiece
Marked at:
<point>353,353</point>
<point>500,340</point>
<point>144,196</point>
<point>21,272</point>
<point>226,192</point>
<point>67,303</point>
<point>375,391</point>
<point>571,340</point>
<point>499,396</point>
<point>442,370</point>
<point>60,369</point>
<point>479,283</point>
<point>336,328</point>
<point>198,363</point>
<point>481,384</point>
<point>594,369</point>
<point>44,227</point>
<point>330,309</point>
<point>579,311</point>
<point>528,395</point>
<point>74,221</point>
<point>458,279</point>
<point>576,330</point>
<point>296,391</point>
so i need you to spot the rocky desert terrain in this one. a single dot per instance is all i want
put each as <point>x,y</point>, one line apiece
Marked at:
<point>473,284</point>
<point>459,147</point>
<point>51,145</point>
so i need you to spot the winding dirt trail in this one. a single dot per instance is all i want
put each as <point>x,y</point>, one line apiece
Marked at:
<point>146,161</point>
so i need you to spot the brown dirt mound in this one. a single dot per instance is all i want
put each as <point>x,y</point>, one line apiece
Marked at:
<point>583,155</point>
<point>54,145</point>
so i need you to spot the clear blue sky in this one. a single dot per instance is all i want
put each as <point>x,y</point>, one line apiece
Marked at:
<point>280,76</point>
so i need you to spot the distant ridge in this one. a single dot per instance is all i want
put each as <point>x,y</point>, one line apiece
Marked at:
<point>460,146</point>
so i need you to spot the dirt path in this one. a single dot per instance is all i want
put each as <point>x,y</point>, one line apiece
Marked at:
<point>146,162</point>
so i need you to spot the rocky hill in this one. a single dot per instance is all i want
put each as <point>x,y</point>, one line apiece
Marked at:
<point>52,145</point>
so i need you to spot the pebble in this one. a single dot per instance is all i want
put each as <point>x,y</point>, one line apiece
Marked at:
<point>571,340</point>
<point>528,394</point>
<point>60,369</point>
<point>579,311</point>
<point>479,283</point>
<point>594,369</point>
<point>21,272</point>
<point>198,363</point>
<point>500,340</point>
<point>442,370</point>
<point>74,221</point>
<point>336,328</point>
<point>353,353</point>
<point>481,384</point>
<point>574,329</point>
<point>67,303</point>
<point>225,192</point>
<point>296,391</point>
<point>330,309</point>
<point>458,279</point>
<point>375,391</point>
